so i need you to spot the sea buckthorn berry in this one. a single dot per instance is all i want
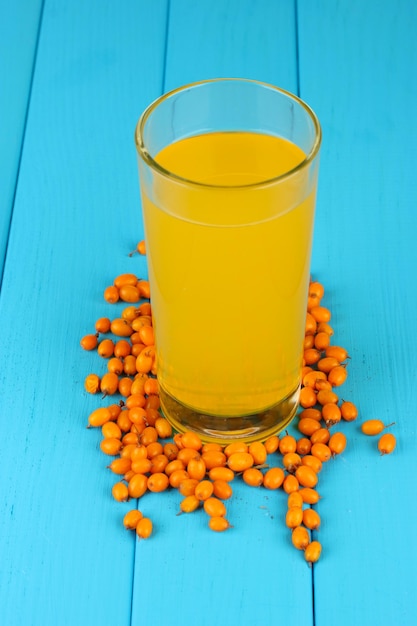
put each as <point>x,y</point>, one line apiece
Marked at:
<point>148,436</point>
<point>120,466</point>
<point>137,485</point>
<point>312,552</point>
<point>321,451</point>
<point>141,247</point>
<point>221,473</point>
<point>125,279</point>
<point>300,538</point>
<point>331,414</point>
<point>109,384</point>
<point>294,517</point>
<point>158,482</point>
<point>339,353</point>
<point>313,462</point>
<point>272,444</point>
<point>139,322</point>
<point>126,451</point>
<point>253,477</point>
<point>196,468</point>
<point>311,519</point>
<point>102,325</point>
<point>152,414</point>
<point>147,336</point>
<point>387,443</point>
<point>308,342</point>
<point>111,294</point>
<point>124,387</point>
<point>291,461</point>
<point>145,360</point>
<point>186,454</point>
<point>320,436</point>
<point>151,387</point>
<point>152,402</point>
<point>316,289</point>
<point>303,446</point>
<point>204,489</point>
<point>374,427</point>
<point>310,325</point>
<point>129,366</point>
<point>130,313</point>
<point>218,524</point>
<point>311,413</point>
<point>111,446</point>
<point>159,463</point>
<point>153,449</point>
<point>137,415</point>
<point>290,484</point>
<point>138,385</point>
<point>322,341</point>
<point>122,349</point>
<point>236,446</point>
<point>295,499</point>
<point>349,411</point>
<point>163,428</point>
<point>307,426</point>
<point>311,378</point>
<point>131,519</point>
<point>273,478</point>
<point>92,383</point>
<point>322,385</point>
<point>144,528</point>
<point>326,396</point>
<point>141,466</point>
<point>190,439</point>
<point>170,450</point>
<point>130,438</point>
<point>187,486</point>
<point>214,459</point>
<point>140,452</point>
<point>306,476</point>
<point>144,289</point>
<point>309,495</point>
<point>320,314</point>
<point>173,466</point>
<point>189,504</point>
<point>106,348</point>
<point>337,443</point>
<point>307,397</point>
<point>99,417</point>
<point>240,461</point>
<point>121,327</point>
<point>324,327</point>
<point>129,293</point>
<point>337,375</point>
<point>326,364</point>
<point>222,489</point>
<point>89,342</point>
<point>115,365</point>
<point>311,356</point>
<point>214,507</point>
<point>120,492</point>
<point>177,477</point>
<point>287,444</point>
<point>258,452</point>
<point>110,429</point>
<point>312,301</point>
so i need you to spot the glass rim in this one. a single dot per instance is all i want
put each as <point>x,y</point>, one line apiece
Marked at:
<point>149,160</point>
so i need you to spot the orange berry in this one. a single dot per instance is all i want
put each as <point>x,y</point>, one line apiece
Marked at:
<point>287,443</point>
<point>137,485</point>
<point>214,507</point>
<point>349,411</point>
<point>144,528</point>
<point>204,489</point>
<point>258,452</point>
<point>158,482</point>
<point>111,294</point>
<point>221,473</point>
<point>321,451</point>
<point>290,484</point>
<point>306,476</point>
<point>89,342</point>
<point>311,519</point>
<point>272,444</point>
<point>387,443</point>
<point>222,489</point>
<point>300,537</point>
<point>312,552</point>
<point>337,375</point>
<point>309,495</point>
<point>240,461</point>
<point>120,492</point>
<point>131,519</point>
<point>189,504</point>
<point>307,426</point>
<point>294,517</point>
<point>253,477</point>
<point>274,478</point>
<point>307,397</point>
<point>110,446</point>
<point>337,443</point>
<point>218,524</point>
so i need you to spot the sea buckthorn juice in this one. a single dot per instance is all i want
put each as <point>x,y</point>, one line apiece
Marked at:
<point>228,174</point>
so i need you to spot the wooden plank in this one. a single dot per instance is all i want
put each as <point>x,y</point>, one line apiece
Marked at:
<point>357,69</point>
<point>249,574</point>
<point>65,556</point>
<point>19,26</point>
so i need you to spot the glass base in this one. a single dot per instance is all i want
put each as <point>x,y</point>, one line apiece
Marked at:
<point>224,430</point>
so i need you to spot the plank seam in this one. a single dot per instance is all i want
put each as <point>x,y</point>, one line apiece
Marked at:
<point>22,143</point>
<point>297,49</point>
<point>166,46</point>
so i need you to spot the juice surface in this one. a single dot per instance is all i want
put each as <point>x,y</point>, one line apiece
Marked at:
<point>229,269</point>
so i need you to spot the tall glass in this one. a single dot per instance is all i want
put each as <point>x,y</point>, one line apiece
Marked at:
<point>228,174</point>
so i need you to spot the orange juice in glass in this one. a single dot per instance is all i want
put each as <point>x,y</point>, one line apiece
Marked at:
<point>228,174</point>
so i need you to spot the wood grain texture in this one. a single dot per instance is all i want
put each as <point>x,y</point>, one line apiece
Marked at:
<point>246,575</point>
<point>19,27</point>
<point>65,556</point>
<point>357,63</point>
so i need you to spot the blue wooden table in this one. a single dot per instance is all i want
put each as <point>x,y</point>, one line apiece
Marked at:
<point>74,78</point>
